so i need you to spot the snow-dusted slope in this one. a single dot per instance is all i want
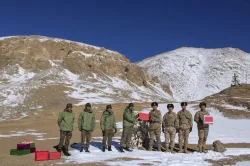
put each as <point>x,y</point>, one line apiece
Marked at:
<point>38,72</point>
<point>194,73</point>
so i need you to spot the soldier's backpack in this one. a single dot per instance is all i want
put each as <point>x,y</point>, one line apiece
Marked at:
<point>219,146</point>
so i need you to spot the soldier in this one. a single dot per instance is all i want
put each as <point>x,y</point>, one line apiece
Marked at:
<point>86,124</point>
<point>65,122</point>
<point>129,120</point>
<point>169,125</point>
<point>185,127</point>
<point>108,126</point>
<point>154,126</point>
<point>202,128</point>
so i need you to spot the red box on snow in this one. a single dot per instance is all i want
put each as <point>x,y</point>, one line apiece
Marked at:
<point>54,155</point>
<point>208,119</point>
<point>23,146</point>
<point>41,155</point>
<point>143,116</point>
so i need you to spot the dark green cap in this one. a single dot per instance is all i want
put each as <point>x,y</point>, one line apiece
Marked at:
<point>69,105</point>
<point>108,106</point>
<point>131,105</point>
<point>88,105</point>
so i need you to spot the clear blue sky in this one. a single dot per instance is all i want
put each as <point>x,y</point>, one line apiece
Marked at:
<point>136,28</point>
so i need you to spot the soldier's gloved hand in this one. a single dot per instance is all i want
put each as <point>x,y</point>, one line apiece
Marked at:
<point>190,130</point>
<point>201,121</point>
<point>115,130</point>
<point>103,132</point>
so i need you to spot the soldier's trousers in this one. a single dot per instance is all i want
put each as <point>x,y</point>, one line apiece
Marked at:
<point>126,136</point>
<point>155,133</point>
<point>170,133</point>
<point>183,137</point>
<point>108,135</point>
<point>85,135</point>
<point>202,133</point>
<point>64,135</point>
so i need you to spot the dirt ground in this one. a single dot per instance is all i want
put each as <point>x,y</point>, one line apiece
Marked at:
<point>46,122</point>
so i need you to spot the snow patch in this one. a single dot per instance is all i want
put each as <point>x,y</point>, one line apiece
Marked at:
<point>155,158</point>
<point>234,107</point>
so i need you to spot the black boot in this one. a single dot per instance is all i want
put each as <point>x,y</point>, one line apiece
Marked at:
<point>57,148</point>
<point>127,149</point>
<point>121,149</point>
<point>66,152</point>
<point>87,150</point>
<point>109,148</point>
<point>103,148</point>
<point>81,150</point>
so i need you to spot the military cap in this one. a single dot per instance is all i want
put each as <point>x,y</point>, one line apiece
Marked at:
<point>69,105</point>
<point>154,104</point>
<point>203,103</point>
<point>170,105</point>
<point>184,104</point>
<point>88,105</point>
<point>131,105</point>
<point>108,106</point>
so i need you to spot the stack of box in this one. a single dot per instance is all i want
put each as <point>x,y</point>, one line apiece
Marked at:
<point>46,155</point>
<point>23,149</point>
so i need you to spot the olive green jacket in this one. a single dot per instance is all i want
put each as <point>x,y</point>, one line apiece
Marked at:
<point>108,120</point>
<point>86,121</point>
<point>129,119</point>
<point>66,120</point>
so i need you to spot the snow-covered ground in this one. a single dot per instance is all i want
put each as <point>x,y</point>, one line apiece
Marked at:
<point>194,73</point>
<point>242,163</point>
<point>23,133</point>
<point>155,158</point>
<point>224,129</point>
<point>234,107</point>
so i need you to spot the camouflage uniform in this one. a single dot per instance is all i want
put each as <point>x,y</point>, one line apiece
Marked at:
<point>129,120</point>
<point>169,125</point>
<point>202,129</point>
<point>155,128</point>
<point>185,126</point>
<point>65,122</point>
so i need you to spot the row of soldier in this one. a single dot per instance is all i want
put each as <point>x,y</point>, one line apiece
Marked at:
<point>171,123</point>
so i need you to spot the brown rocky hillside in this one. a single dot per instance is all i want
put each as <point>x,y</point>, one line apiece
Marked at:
<point>38,72</point>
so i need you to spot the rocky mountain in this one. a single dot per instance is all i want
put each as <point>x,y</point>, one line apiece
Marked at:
<point>194,73</point>
<point>38,72</point>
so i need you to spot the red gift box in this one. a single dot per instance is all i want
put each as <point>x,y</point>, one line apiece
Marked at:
<point>208,119</point>
<point>41,155</point>
<point>144,116</point>
<point>23,146</point>
<point>32,150</point>
<point>54,155</point>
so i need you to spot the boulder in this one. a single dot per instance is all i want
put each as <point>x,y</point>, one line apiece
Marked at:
<point>219,146</point>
